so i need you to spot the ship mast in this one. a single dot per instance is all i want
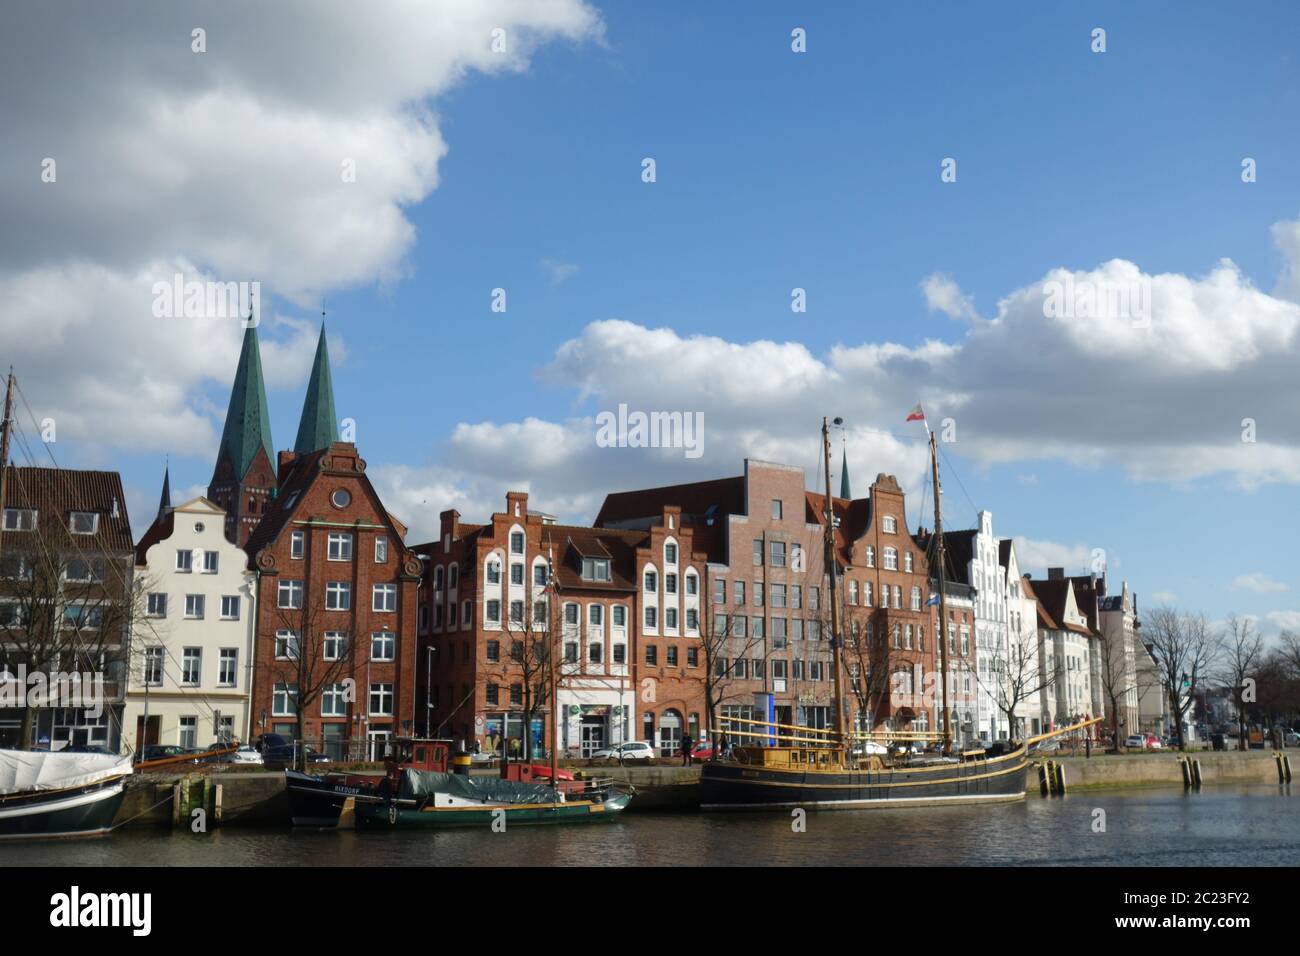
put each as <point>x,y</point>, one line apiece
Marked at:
<point>942,635</point>
<point>5,429</point>
<point>832,567</point>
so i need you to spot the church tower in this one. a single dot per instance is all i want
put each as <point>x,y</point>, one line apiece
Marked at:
<point>244,478</point>
<point>318,428</point>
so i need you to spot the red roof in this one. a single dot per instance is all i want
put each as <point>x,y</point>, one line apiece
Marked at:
<point>57,492</point>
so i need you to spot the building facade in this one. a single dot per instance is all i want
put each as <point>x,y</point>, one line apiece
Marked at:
<point>192,644</point>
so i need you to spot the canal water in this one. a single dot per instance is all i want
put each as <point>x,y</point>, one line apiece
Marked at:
<point>1221,826</point>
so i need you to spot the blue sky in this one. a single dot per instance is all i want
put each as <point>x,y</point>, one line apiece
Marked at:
<point>820,170</point>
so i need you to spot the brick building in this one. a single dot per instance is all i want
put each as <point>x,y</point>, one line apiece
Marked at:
<point>616,608</point>
<point>335,589</point>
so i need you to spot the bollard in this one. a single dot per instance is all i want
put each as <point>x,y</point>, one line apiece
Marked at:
<point>1044,785</point>
<point>1286,764</point>
<point>1196,773</point>
<point>176,804</point>
<point>1060,779</point>
<point>216,803</point>
<point>1187,773</point>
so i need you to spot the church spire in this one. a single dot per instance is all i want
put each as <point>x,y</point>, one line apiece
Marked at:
<point>845,492</point>
<point>318,427</point>
<point>165,501</point>
<point>248,425</point>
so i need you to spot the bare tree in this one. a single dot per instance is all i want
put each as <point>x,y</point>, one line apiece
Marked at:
<point>533,660</point>
<point>64,610</point>
<point>1118,679</point>
<point>312,659</point>
<point>869,661</point>
<point>1014,677</point>
<point>1185,651</point>
<point>722,643</point>
<point>1243,652</point>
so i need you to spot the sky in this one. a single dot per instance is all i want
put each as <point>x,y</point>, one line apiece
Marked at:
<point>501,145</point>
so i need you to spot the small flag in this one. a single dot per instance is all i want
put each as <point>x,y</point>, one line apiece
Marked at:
<point>916,415</point>
<point>934,599</point>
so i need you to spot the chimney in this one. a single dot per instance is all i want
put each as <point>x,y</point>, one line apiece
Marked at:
<point>1055,574</point>
<point>517,504</point>
<point>450,525</point>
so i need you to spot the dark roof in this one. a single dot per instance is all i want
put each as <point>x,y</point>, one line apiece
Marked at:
<point>160,530</point>
<point>959,551</point>
<point>699,501</point>
<point>1045,618</point>
<point>573,543</point>
<point>56,492</point>
<point>1087,590</point>
<point>1004,552</point>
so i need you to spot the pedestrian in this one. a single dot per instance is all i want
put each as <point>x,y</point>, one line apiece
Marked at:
<point>687,743</point>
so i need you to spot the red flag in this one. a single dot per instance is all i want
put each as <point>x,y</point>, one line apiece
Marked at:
<point>916,415</point>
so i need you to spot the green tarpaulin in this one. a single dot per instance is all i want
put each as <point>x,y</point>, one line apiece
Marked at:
<point>421,783</point>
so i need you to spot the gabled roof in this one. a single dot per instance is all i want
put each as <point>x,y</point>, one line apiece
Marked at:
<point>56,492</point>
<point>302,471</point>
<point>1045,619</point>
<point>318,428</point>
<point>248,425</point>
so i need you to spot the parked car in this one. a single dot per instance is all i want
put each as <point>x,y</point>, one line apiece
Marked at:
<point>1291,738</point>
<point>619,753</point>
<point>280,757</point>
<point>159,751</point>
<point>246,755</point>
<point>702,751</point>
<point>1137,741</point>
<point>270,741</point>
<point>1153,742</point>
<point>86,749</point>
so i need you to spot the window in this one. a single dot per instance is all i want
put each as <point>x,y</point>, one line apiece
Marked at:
<point>620,653</point>
<point>517,574</point>
<point>15,567</point>
<point>284,700</point>
<point>796,557</point>
<point>83,571</point>
<point>297,544</point>
<point>188,737</point>
<point>338,596</point>
<point>758,629</point>
<point>230,607</point>
<point>853,592</point>
<point>185,561</point>
<point>539,575</point>
<point>492,694</point>
<point>334,700</point>
<point>898,596</point>
<point>778,676</point>
<point>191,665</point>
<point>339,546</point>
<point>381,699</point>
<point>492,612</point>
<point>516,694</point>
<point>758,552</point>
<point>692,657</point>
<point>153,666</point>
<point>571,652</point>
<point>286,645</point>
<point>719,590</point>
<point>739,596</point>
<point>493,651</point>
<point>596,615</point>
<point>341,498</point>
<point>289,594</point>
<point>83,522</point>
<point>20,519</point>
<point>670,584</point>
<point>797,669</point>
<point>594,652</point>
<point>453,571</point>
<point>778,632</point>
<point>384,597</point>
<point>871,556</point>
<point>383,646</point>
<point>651,582</point>
<point>890,525</point>
<point>494,572</point>
<point>692,585</point>
<point>539,612</point>
<point>595,569</point>
<point>739,625</point>
<point>758,593</point>
<point>516,542</point>
<point>916,598</point>
<point>796,628</point>
<point>670,656</point>
<point>776,554</point>
<point>571,615</point>
<point>651,617</point>
<point>907,561</point>
<point>620,616</point>
<point>381,550</point>
<point>670,553</point>
<point>670,618</point>
<point>516,612</point>
<point>194,606</point>
<point>891,559</point>
<point>466,613</point>
<point>692,619</point>
<point>776,595</point>
<point>228,667</point>
<point>211,560</point>
<point>868,594</point>
<point>776,509</point>
<point>652,655</point>
<point>814,595</point>
<point>157,605</point>
<point>77,616</point>
<point>796,596</point>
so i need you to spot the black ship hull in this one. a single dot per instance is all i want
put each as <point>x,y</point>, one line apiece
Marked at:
<point>86,811</point>
<point>730,785</point>
<point>318,801</point>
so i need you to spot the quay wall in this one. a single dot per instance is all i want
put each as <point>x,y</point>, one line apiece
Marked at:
<point>257,798</point>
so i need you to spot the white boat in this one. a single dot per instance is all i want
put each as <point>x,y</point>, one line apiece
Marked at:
<point>54,794</point>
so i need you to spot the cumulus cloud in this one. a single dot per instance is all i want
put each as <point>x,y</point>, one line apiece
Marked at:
<point>287,153</point>
<point>942,294</point>
<point>1259,583</point>
<point>1036,556</point>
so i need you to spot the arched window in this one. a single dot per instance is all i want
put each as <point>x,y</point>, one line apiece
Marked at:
<point>871,556</point>
<point>437,578</point>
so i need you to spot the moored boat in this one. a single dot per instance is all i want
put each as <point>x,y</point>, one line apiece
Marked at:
<point>45,795</point>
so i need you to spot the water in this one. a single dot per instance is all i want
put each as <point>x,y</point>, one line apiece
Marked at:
<point>1221,826</point>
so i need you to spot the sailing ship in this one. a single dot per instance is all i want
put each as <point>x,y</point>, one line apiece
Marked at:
<point>783,766</point>
<point>44,794</point>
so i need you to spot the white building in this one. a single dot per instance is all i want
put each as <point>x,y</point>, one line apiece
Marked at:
<point>192,650</point>
<point>1021,676</point>
<point>1065,650</point>
<point>1117,621</point>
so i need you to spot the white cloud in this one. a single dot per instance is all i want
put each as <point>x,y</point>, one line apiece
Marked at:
<point>1259,583</point>
<point>1284,621</point>
<point>227,164</point>
<point>942,294</point>
<point>558,270</point>
<point>1164,597</point>
<point>1037,556</point>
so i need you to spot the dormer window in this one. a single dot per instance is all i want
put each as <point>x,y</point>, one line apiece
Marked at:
<point>20,519</point>
<point>595,569</point>
<point>83,522</point>
<point>890,525</point>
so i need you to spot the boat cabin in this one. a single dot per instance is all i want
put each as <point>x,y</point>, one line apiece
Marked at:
<point>416,754</point>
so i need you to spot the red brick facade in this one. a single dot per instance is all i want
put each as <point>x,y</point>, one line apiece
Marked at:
<point>332,570</point>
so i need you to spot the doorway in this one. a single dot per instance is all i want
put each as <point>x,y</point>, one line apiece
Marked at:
<point>593,735</point>
<point>147,731</point>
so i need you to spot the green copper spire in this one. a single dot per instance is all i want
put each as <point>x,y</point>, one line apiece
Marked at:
<point>844,478</point>
<point>319,425</point>
<point>248,426</point>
